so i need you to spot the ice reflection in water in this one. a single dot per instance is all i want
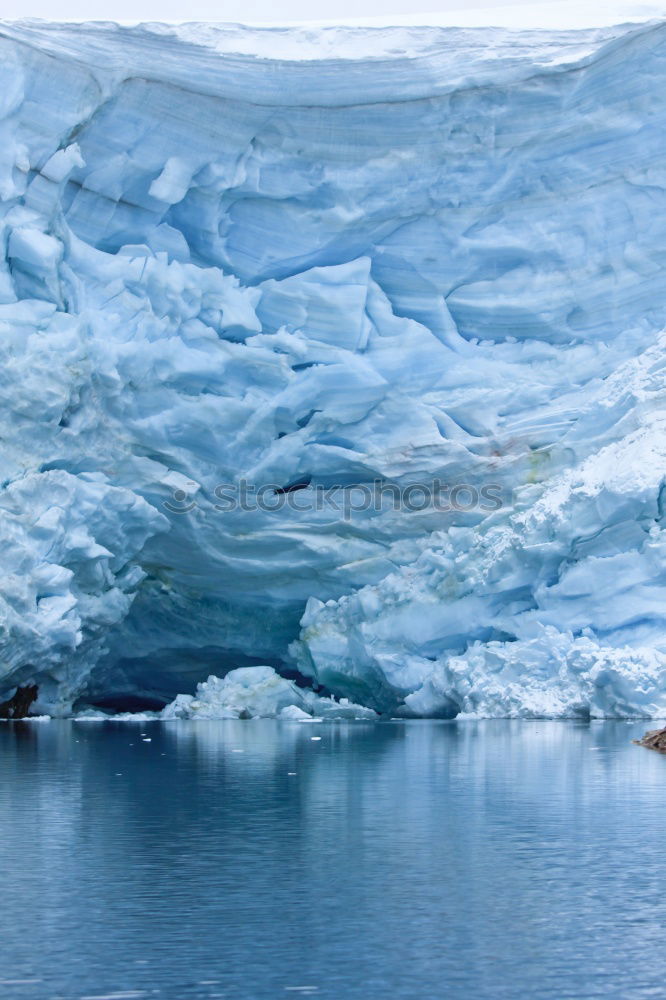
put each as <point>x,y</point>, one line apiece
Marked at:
<point>245,860</point>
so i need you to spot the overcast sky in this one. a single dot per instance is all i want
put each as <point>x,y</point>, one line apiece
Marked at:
<point>514,13</point>
<point>232,10</point>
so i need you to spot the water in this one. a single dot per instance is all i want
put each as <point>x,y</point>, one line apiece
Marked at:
<point>399,860</point>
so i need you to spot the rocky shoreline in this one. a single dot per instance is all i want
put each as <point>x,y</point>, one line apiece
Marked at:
<point>654,739</point>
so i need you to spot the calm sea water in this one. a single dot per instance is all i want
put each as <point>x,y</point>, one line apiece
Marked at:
<point>399,860</point>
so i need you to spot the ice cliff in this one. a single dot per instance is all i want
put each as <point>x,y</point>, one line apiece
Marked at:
<point>328,259</point>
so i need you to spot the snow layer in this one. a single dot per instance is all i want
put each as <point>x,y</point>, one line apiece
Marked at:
<point>334,256</point>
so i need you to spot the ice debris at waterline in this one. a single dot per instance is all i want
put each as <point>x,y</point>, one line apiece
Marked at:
<point>247,693</point>
<point>312,260</point>
<point>250,692</point>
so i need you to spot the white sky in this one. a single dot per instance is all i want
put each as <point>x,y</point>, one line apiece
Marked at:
<point>532,13</point>
<point>226,10</point>
<point>268,10</point>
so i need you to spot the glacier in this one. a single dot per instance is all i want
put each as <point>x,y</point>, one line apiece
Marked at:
<point>307,261</point>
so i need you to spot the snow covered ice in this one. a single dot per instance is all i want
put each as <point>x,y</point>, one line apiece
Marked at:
<point>329,257</point>
<point>259,692</point>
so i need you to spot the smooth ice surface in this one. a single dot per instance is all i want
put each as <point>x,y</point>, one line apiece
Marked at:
<point>496,860</point>
<point>332,256</point>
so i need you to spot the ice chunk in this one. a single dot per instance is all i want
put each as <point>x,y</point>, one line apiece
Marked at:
<point>293,713</point>
<point>259,692</point>
<point>173,183</point>
<point>34,248</point>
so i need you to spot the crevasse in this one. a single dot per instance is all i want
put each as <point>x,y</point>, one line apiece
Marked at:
<point>334,257</point>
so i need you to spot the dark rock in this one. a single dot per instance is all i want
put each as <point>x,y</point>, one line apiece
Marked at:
<point>655,739</point>
<point>18,706</point>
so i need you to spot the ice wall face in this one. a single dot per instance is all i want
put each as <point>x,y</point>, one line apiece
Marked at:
<point>334,257</point>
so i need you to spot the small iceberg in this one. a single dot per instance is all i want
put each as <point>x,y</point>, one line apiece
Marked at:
<point>260,692</point>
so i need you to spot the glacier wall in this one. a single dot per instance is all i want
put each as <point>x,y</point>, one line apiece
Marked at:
<point>334,257</point>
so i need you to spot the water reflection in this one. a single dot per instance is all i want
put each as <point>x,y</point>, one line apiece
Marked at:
<point>244,859</point>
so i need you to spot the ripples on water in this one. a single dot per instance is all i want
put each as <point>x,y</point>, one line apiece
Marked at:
<point>398,860</point>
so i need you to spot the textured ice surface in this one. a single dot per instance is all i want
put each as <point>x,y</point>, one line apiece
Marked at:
<point>245,693</point>
<point>334,256</point>
<point>259,692</point>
